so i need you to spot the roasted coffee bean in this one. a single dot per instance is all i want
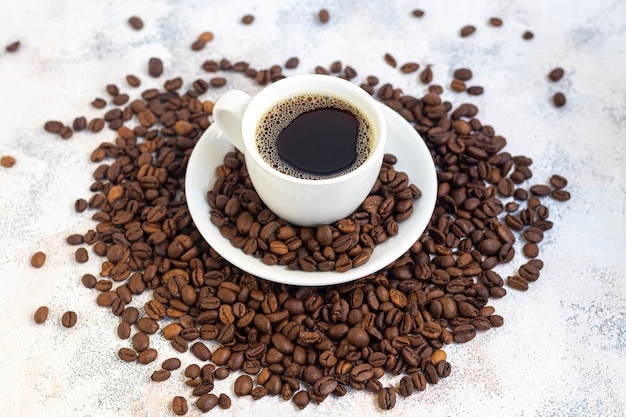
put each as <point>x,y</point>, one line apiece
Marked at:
<point>155,67</point>
<point>390,60</point>
<point>426,76</point>
<point>135,22</point>
<point>323,15</point>
<point>556,74</point>
<point>517,282</point>
<point>38,259</point>
<point>387,398</point>
<point>528,35</point>
<point>560,195</point>
<point>69,319</point>
<point>206,402</point>
<point>81,255</point>
<point>243,385</point>
<point>160,375</point>
<point>463,74</point>
<point>179,406</point>
<point>41,315</point>
<point>495,21</point>
<point>224,401</point>
<point>475,90</point>
<point>7,161</point>
<point>467,30</point>
<point>247,19</point>
<point>559,99</point>
<point>127,355</point>
<point>12,47</point>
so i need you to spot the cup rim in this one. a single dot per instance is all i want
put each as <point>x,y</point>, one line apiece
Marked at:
<point>373,112</point>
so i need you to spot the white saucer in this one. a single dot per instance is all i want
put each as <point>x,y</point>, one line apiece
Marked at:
<point>413,158</point>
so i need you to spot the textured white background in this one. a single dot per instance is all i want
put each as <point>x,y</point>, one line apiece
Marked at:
<point>561,350</point>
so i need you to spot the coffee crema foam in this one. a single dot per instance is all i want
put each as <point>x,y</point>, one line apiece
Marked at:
<point>283,113</point>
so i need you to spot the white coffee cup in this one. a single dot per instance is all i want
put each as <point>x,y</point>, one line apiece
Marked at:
<point>304,202</point>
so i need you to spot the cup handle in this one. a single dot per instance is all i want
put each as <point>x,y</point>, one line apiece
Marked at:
<point>228,115</point>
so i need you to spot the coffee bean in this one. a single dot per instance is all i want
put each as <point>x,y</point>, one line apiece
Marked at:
<point>206,402</point>
<point>135,22</point>
<point>558,181</point>
<point>41,315</point>
<point>81,255</point>
<point>467,30</point>
<point>475,90</point>
<point>179,406</point>
<point>387,398</point>
<point>531,250</point>
<point>247,19</point>
<point>323,15</point>
<point>160,375</point>
<point>409,67</point>
<point>301,399</point>
<point>243,385</point>
<point>556,74</point>
<point>38,259</point>
<point>495,22</point>
<point>69,319</point>
<point>426,76</point>
<point>390,60</point>
<point>463,74</point>
<point>12,47</point>
<point>127,355</point>
<point>7,161</point>
<point>458,85</point>
<point>560,195</point>
<point>417,13</point>
<point>559,99</point>
<point>224,401</point>
<point>155,67</point>
<point>528,35</point>
<point>517,282</point>
<point>292,63</point>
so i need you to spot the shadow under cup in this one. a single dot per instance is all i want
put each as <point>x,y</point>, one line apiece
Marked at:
<point>324,199</point>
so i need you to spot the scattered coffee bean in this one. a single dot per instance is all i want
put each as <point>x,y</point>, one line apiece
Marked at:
<point>198,45</point>
<point>179,405</point>
<point>38,259</point>
<point>155,67</point>
<point>323,15</point>
<point>207,402</point>
<point>160,375</point>
<point>417,13</point>
<point>53,126</point>
<point>556,74</point>
<point>475,90</point>
<point>206,36</point>
<point>390,60</point>
<point>247,19</point>
<point>292,63</point>
<point>135,22</point>
<point>458,85</point>
<point>7,161</point>
<point>127,355</point>
<point>495,22</point>
<point>98,103</point>
<point>559,99</point>
<point>561,195</point>
<point>224,401</point>
<point>41,314</point>
<point>528,35</point>
<point>426,76</point>
<point>12,47</point>
<point>387,398</point>
<point>81,255</point>
<point>409,67</point>
<point>463,74</point>
<point>467,30</point>
<point>69,319</point>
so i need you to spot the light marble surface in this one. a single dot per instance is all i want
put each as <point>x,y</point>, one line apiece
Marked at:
<point>561,350</point>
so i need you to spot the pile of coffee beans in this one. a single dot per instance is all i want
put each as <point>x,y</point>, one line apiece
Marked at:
<point>243,218</point>
<point>300,344</point>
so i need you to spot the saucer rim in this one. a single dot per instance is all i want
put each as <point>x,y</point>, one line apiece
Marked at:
<point>394,247</point>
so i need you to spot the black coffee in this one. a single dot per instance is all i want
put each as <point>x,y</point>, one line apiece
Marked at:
<point>314,136</point>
